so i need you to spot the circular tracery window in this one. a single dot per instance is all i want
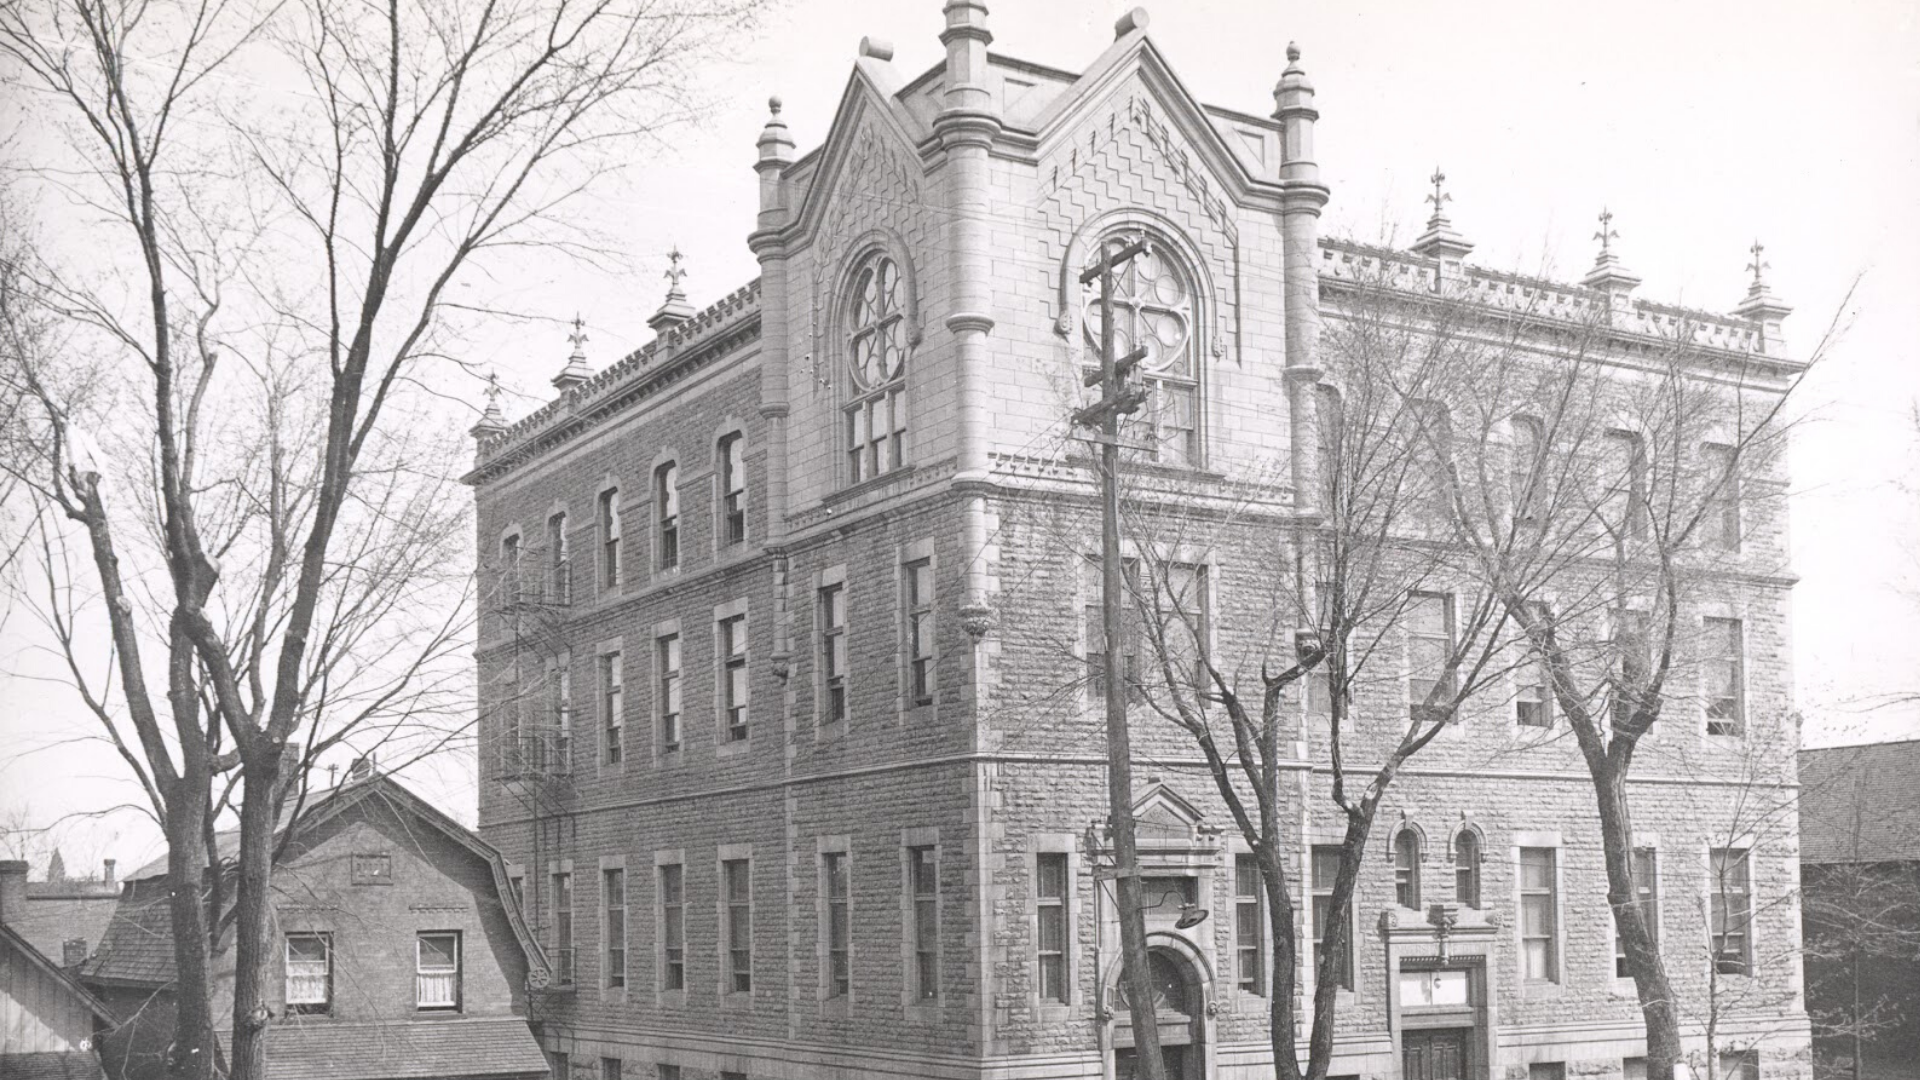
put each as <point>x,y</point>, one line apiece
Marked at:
<point>879,325</point>
<point>1152,308</point>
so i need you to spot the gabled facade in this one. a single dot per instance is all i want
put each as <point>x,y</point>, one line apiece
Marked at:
<point>785,729</point>
<point>47,1020</point>
<point>400,951</point>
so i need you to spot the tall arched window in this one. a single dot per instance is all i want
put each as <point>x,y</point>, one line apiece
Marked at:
<point>1154,307</point>
<point>877,362</point>
<point>1406,869</point>
<point>1466,869</point>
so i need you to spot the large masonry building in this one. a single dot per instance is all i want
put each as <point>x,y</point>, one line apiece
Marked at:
<point>786,734</point>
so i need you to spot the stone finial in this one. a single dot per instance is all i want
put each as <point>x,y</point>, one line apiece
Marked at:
<point>968,95</point>
<point>776,153</point>
<point>1609,275</point>
<point>878,48</point>
<point>675,310</point>
<point>1134,21</point>
<point>1761,306</point>
<point>492,421</point>
<point>577,371</point>
<point>1293,107</point>
<point>1440,241</point>
<point>776,143</point>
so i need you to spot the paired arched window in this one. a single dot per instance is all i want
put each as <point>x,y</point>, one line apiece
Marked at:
<point>1153,306</point>
<point>877,346</point>
<point>1406,868</point>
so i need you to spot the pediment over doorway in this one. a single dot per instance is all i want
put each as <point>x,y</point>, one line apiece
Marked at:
<point>1163,817</point>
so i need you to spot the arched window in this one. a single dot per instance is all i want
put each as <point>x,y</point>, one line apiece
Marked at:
<point>1406,868</point>
<point>1466,868</point>
<point>877,362</point>
<point>733,488</point>
<point>1154,307</point>
<point>1529,449</point>
<point>666,516</point>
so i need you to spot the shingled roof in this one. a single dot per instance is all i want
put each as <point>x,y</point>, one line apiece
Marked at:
<point>1860,803</point>
<point>497,1048</point>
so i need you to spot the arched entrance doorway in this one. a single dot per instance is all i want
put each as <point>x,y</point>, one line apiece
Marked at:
<point>1179,1003</point>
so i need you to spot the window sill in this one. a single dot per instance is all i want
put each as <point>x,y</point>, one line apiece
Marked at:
<point>831,731</point>
<point>1542,989</point>
<point>854,491</point>
<point>838,1007</point>
<point>1054,1012</point>
<point>671,999</point>
<point>669,759</point>
<point>735,749</point>
<point>926,1011</point>
<point>737,1001</point>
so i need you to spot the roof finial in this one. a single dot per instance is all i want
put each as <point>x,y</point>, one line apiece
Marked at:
<point>576,371</point>
<point>1439,198</point>
<point>492,421</point>
<point>579,337</point>
<point>1293,52</point>
<point>1440,241</point>
<point>1758,266</point>
<point>675,310</point>
<point>1607,234</point>
<point>674,270</point>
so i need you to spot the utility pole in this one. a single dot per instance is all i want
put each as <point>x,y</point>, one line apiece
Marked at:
<point>1118,399</point>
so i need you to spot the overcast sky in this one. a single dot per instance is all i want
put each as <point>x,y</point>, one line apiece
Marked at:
<point>1702,126</point>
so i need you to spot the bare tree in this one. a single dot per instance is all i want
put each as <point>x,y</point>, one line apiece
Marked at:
<point>267,289</point>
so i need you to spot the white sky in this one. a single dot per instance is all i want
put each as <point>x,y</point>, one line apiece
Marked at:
<point>1702,125</point>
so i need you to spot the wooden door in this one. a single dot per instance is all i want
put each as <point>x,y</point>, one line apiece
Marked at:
<point>1434,1055</point>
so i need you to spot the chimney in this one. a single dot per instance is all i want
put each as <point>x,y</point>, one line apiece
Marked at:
<point>73,952</point>
<point>13,890</point>
<point>361,769</point>
<point>107,871</point>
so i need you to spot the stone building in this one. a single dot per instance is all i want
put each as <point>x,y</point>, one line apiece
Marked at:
<point>784,730</point>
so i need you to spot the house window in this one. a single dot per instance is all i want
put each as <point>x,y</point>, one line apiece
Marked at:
<point>1732,910</point>
<point>1723,671</point>
<point>1326,868</point>
<point>1529,447</point>
<point>557,752</point>
<point>733,489</point>
<point>838,929</point>
<point>1531,705</point>
<point>1632,662</point>
<point>563,927</point>
<point>436,978</point>
<point>877,360</point>
<point>309,989</point>
<point>1181,605</point>
<point>610,538</point>
<point>1720,528</point>
<point>1429,647</point>
<point>1249,925</point>
<point>612,697</point>
<point>372,868</point>
<point>1152,308</point>
<point>739,925</point>
<point>559,567</point>
<point>919,600</point>
<point>559,1065</point>
<point>673,927</point>
<point>1625,480</point>
<point>666,516</point>
<point>1539,915</point>
<point>666,652</point>
<point>1092,612</point>
<point>614,916</point>
<point>833,652</point>
<point>1646,898</point>
<point>733,675</point>
<point>609,1068</point>
<point>1406,869</point>
<point>665,1071</point>
<point>1435,460</point>
<point>1051,924</point>
<point>1466,869</point>
<point>923,893</point>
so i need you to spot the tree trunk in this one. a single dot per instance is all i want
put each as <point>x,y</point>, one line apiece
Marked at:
<point>194,1051</point>
<point>1649,971</point>
<point>1353,853</point>
<point>1282,1025</point>
<point>253,949</point>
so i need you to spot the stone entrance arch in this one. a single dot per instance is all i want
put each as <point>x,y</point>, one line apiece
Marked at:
<point>1181,1004</point>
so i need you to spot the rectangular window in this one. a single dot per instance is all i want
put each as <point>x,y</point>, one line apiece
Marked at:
<point>615,918</point>
<point>1720,528</point>
<point>436,977</point>
<point>733,675</point>
<point>1722,667</point>
<point>1249,925</point>
<point>667,1072</point>
<point>1646,898</point>
<point>1539,915</point>
<point>510,570</point>
<point>563,928</point>
<point>1052,924</point>
<point>612,701</point>
<point>739,925</point>
<point>733,489</point>
<point>609,1068</point>
<point>833,653</point>
<point>1732,910</point>
<point>1326,868</point>
<point>1625,481</point>
<point>1182,606</point>
<point>673,927</point>
<point>1531,707</point>
<point>1095,627</point>
<point>309,988</point>
<point>372,868</point>
<point>919,600</point>
<point>560,570</point>
<point>1429,646</point>
<point>877,435</point>
<point>923,889</point>
<point>838,929</point>
<point>610,538</point>
<point>666,651</point>
<point>1524,470</point>
<point>666,514</point>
